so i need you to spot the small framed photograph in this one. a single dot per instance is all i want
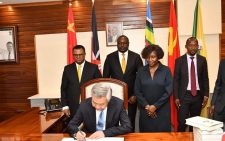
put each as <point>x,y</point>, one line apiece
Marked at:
<point>113,31</point>
<point>8,45</point>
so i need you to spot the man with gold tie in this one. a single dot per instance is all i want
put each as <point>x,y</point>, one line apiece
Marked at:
<point>123,65</point>
<point>74,75</point>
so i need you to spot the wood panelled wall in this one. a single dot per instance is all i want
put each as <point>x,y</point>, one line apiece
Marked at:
<point>222,49</point>
<point>19,81</point>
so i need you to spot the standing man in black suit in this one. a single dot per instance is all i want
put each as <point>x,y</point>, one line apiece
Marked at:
<point>191,83</point>
<point>123,65</point>
<point>102,115</point>
<point>217,104</point>
<point>74,75</point>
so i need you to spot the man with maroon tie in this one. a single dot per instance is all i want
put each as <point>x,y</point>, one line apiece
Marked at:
<point>191,83</point>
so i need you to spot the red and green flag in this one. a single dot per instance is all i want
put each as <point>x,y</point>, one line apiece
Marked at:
<point>173,53</point>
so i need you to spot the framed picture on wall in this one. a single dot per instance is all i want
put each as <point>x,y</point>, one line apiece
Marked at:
<point>8,45</point>
<point>113,31</point>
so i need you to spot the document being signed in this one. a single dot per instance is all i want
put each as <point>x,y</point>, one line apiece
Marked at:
<point>101,139</point>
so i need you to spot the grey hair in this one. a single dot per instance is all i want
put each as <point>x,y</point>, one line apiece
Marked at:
<point>101,90</point>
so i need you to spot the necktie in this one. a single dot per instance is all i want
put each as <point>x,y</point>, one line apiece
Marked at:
<point>123,63</point>
<point>193,79</point>
<point>79,72</point>
<point>100,124</point>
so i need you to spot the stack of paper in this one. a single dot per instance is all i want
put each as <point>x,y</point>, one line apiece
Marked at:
<point>201,135</point>
<point>205,129</point>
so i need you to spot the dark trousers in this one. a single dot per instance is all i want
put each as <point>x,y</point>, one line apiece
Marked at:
<point>132,109</point>
<point>220,117</point>
<point>190,106</point>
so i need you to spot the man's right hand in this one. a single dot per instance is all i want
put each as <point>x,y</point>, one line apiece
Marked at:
<point>67,112</point>
<point>177,102</point>
<point>211,110</point>
<point>80,136</point>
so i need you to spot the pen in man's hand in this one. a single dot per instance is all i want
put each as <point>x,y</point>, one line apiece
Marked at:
<point>81,133</point>
<point>73,136</point>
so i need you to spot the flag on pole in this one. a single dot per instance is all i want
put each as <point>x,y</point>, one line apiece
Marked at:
<point>198,33</point>
<point>71,36</point>
<point>95,52</point>
<point>149,33</point>
<point>173,53</point>
<point>198,30</point>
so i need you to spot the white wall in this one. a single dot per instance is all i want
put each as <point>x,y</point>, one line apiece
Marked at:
<point>51,48</point>
<point>211,16</point>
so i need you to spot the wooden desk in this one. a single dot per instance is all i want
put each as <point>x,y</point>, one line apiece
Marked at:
<point>32,126</point>
<point>129,137</point>
<point>31,122</point>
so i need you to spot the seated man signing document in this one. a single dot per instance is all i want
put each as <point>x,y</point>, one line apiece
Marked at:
<point>100,115</point>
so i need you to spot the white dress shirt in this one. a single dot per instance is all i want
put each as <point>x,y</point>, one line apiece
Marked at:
<point>97,116</point>
<point>189,71</point>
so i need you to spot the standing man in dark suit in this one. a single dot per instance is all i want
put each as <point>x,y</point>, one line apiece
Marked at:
<point>123,65</point>
<point>102,115</point>
<point>74,75</point>
<point>217,104</point>
<point>191,83</point>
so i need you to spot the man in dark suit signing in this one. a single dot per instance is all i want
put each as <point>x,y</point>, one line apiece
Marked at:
<point>217,104</point>
<point>74,75</point>
<point>123,65</point>
<point>102,115</point>
<point>191,83</point>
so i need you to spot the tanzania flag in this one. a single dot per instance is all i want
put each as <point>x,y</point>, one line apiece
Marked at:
<point>71,36</point>
<point>149,33</point>
<point>95,55</point>
<point>173,53</point>
<point>198,33</point>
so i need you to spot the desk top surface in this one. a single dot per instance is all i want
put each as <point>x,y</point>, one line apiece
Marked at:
<point>30,122</point>
<point>30,126</point>
<point>129,137</point>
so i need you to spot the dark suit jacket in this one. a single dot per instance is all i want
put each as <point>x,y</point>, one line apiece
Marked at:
<point>112,69</point>
<point>181,76</point>
<point>70,87</point>
<point>219,90</point>
<point>116,114</point>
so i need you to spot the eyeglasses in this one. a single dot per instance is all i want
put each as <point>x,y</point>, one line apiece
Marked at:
<point>76,55</point>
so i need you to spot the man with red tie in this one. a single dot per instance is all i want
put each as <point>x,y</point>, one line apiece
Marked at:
<point>191,83</point>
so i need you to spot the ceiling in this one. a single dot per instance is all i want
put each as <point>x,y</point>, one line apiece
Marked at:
<point>6,2</point>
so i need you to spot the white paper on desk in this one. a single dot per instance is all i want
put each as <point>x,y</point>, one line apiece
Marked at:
<point>204,123</point>
<point>68,139</point>
<point>101,139</point>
